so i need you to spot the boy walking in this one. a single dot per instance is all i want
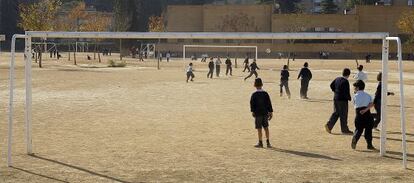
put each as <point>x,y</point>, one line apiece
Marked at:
<point>262,111</point>
<point>341,89</point>
<point>228,67</point>
<point>210,68</point>
<point>246,64</point>
<point>363,117</point>
<point>306,75</point>
<point>218,63</point>
<point>284,81</point>
<point>190,73</point>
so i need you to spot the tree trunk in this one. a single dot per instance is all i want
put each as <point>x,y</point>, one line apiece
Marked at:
<point>74,58</point>
<point>40,60</point>
<point>99,57</point>
<point>120,49</point>
<point>288,61</point>
<point>94,52</point>
<point>69,53</point>
<point>36,56</point>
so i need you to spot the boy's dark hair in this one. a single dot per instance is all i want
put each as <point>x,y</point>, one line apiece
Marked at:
<point>305,64</point>
<point>346,72</point>
<point>258,82</point>
<point>285,67</point>
<point>379,76</point>
<point>360,67</point>
<point>190,64</point>
<point>359,84</point>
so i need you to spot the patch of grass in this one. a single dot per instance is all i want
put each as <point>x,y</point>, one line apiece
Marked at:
<point>112,63</point>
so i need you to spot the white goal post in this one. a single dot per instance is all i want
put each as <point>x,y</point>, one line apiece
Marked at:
<point>204,35</point>
<point>216,46</point>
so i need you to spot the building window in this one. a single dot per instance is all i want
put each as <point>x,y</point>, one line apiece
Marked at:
<point>216,40</point>
<point>180,40</point>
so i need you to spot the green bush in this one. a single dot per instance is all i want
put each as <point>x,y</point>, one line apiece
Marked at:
<point>112,63</point>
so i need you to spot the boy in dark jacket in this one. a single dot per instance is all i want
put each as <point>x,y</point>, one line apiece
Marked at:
<point>210,68</point>
<point>306,75</point>
<point>253,68</point>
<point>246,64</point>
<point>377,101</point>
<point>228,67</point>
<point>262,111</point>
<point>284,81</point>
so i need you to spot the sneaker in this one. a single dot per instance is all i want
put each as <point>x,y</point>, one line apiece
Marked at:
<point>288,96</point>
<point>327,128</point>
<point>259,145</point>
<point>269,145</point>
<point>370,147</point>
<point>353,144</point>
<point>281,94</point>
<point>348,132</point>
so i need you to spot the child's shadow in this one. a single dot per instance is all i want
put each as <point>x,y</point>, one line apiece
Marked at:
<point>304,154</point>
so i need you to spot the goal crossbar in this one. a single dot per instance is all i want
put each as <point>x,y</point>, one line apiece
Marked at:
<point>203,35</point>
<point>216,46</point>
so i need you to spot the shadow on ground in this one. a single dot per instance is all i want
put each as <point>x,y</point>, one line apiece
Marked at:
<point>304,154</point>
<point>37,174</point>
<point>79,168</point>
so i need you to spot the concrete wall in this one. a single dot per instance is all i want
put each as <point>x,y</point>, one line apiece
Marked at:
<point>185,18</point>
<point>342,23</point>
<point>211,18</point>
<point>259,16</point>
<point>380,18</point>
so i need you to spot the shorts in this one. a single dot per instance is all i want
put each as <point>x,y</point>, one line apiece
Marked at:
<point>261,121</point>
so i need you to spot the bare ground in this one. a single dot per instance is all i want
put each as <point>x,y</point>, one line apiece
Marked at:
<point>139,124</point>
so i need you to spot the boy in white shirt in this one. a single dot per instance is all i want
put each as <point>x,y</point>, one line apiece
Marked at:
<point>363,118</point>
<point>361,75</point>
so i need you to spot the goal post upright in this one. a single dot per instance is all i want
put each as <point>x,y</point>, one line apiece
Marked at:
<point>11,97</point>
<point>28,102</point>
<point>402,100</point>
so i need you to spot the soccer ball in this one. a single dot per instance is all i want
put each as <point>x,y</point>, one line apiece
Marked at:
<point>268,50</point>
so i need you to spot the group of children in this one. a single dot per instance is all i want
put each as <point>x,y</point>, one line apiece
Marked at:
<point>261,106</point>
<point>216,65</point>
<point>363,102</point>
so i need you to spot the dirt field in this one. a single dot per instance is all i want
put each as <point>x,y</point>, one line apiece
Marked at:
<point>139,124</point>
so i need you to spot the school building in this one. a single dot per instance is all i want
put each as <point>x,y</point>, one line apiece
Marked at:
<point>262,18</point>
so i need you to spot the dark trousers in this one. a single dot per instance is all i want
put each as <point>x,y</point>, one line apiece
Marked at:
<point>341,112</point>
<point>284,83</point>
<point>217,70</point>
<point>363,122</point>
<point>190,75</point>
<point>251,74</point>
<point>304,84</point>
<point>377,116</point>
<point>229,69</point>
<point>210,73</point>
<point>246,67</point>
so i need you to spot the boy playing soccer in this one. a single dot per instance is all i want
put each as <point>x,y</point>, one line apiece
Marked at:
<point>363,118</point>
<point>262,111</point>
<point>190,73</point>
<point>284,81</point>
